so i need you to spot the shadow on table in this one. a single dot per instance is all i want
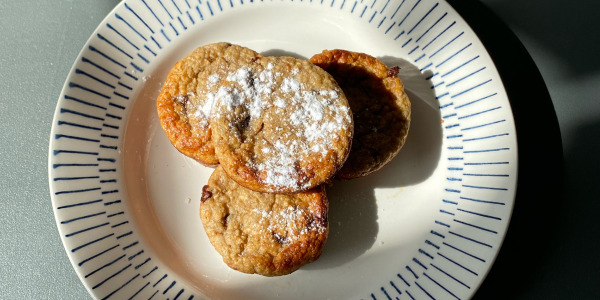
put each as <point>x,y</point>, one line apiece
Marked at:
<point>540,181</point>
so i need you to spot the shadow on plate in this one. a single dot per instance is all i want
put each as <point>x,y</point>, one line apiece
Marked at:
<point>540,179</point>
<point>281,52</point>
<point>353,215</point>
<point>420,155</point>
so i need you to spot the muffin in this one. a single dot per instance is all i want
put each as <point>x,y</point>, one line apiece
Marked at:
<point>381,109</point>
<point>263,233</point>
<point>183,110</point>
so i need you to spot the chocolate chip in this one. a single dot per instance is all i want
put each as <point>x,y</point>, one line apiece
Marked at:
<point>280,239</point>
<point>243,125</point>
<point>393,72</point>
<point>205,194</point>
<point>182,99</point>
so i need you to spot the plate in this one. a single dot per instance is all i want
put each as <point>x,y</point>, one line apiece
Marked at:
<point>428,225</point>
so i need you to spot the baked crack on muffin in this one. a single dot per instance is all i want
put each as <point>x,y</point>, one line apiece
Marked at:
<point>279,124</point>
<point>182,108</point>
<point>263,233</point>
<point>380,107</point>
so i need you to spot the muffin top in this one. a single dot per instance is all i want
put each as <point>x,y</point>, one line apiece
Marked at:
<point>280,124</point>
<point>263,233</point>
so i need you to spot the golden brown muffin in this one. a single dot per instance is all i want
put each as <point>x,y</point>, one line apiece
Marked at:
<point>263,233</point>
<point>380,107</point>
<point>182,109</point>
<point>280,124</point>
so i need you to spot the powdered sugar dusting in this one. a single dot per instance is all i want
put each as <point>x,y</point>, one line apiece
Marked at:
<point>202,111</point>
<point>280,170</point>
<point>213,79</point>
<point>312,119</point>
<point>290,224</point>
<point>250,90</point>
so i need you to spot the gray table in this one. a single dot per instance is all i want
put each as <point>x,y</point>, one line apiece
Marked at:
<point>41,39</point>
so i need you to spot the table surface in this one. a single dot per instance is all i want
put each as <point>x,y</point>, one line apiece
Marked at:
<point>41,40</point>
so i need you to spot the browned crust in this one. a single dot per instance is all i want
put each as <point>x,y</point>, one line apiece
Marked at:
<point>231,216</point>
<point>379,104</point>
<point>177,128</point>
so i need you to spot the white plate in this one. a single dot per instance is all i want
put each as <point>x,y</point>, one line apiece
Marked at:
<point>429,225</point>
